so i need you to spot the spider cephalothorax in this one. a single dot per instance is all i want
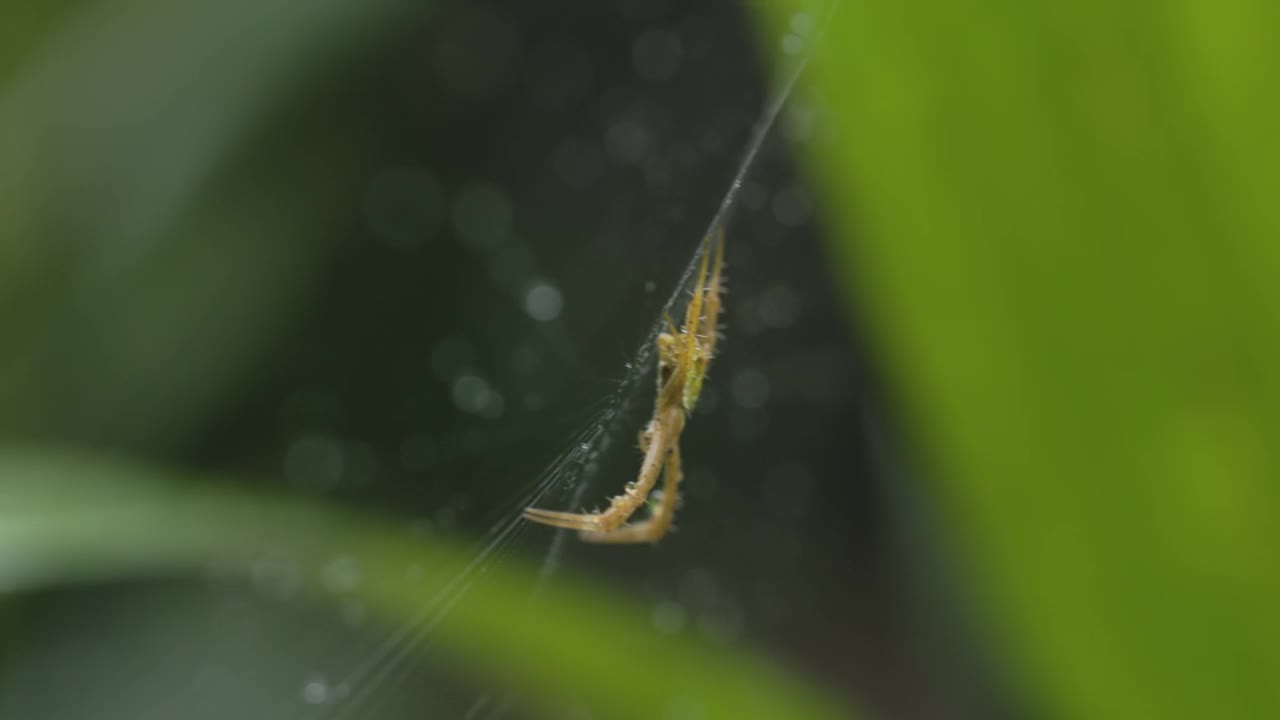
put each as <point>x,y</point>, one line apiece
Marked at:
<point>684,355</point>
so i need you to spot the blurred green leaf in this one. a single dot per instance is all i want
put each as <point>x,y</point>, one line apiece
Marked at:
<point>65,519</point>
<point>1060,219</point>
<point>131,153</point>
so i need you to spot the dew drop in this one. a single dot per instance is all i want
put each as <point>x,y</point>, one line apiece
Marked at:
<point>779,307</point>
<point>482,216</point>
<point>802,23</point>
<point>627,142</point>
<point>668,617</point>
<point>314,463</point>
<point>792,206</point>
<point>699,587</point>
<point>316,691</point>
<point>722,627</point>
<point>473,394</point>
<point>342,574</point>
<point>543,302</point>
<point>353,614</point>
<point>750,388</point>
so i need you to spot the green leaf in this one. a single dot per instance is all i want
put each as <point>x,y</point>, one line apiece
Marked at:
<point>136,184</point>
<point>65,519</point>
<point>1059,219</point>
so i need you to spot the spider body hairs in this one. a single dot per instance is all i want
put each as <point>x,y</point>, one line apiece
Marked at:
<point>684,355</point>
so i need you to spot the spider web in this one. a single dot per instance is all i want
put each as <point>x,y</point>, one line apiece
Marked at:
<point>567,481</point>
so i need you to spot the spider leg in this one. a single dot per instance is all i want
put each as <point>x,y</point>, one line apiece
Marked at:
<point>693,312</point>
<point>662,516</point>
<point>714,288</point>
<point>671,324</point>
<point>683,356</point>
<point>686,347</point>
<point>659,522</point>
<point>666,430</point>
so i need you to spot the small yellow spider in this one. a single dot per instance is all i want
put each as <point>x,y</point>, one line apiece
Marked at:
<point>683,357</point>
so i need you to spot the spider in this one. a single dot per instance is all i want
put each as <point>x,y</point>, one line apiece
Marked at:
<point>683,357</point>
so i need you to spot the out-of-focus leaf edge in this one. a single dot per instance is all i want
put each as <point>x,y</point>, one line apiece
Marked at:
<point>72,519</point>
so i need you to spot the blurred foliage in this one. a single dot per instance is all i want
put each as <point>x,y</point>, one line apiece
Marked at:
<point>1060,219</point>
<point>1056,217</point>
<point>127,202</point>
<point>165,204</point>
<point>565,644</point>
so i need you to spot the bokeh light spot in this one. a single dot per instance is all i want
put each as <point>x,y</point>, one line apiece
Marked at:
<point>543,302</point>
